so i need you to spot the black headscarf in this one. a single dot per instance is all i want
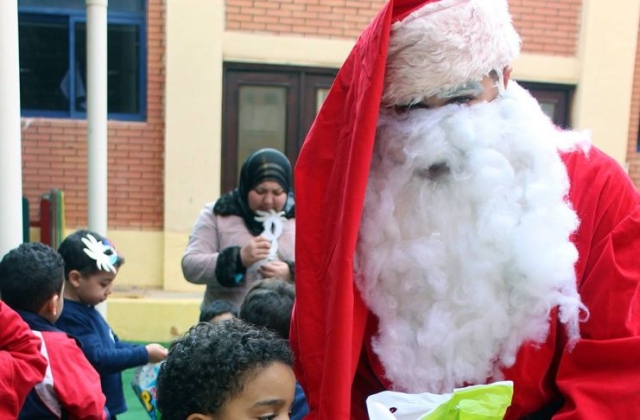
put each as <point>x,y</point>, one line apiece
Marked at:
<point>262,165</point>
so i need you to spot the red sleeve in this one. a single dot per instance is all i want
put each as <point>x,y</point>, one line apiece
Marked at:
<point>331,176</point>
<point>600,378</point>
<point>21,364</point>
<point>76,382</point>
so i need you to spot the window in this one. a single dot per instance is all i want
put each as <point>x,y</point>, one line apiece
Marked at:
<point>53,58</point>
<point>555,100</point>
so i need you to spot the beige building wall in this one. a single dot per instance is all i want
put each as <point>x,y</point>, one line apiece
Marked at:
<point>606,53</point>
<point>193,110</point>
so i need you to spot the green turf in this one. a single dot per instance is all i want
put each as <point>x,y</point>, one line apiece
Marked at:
<point>136,410</point>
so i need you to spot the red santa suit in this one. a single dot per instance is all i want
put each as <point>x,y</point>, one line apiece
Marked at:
<point>334,328</point>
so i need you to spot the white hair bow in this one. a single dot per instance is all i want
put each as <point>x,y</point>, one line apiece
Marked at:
<point>97,251</point>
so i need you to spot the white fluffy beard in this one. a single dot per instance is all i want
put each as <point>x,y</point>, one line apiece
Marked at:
<point>464,265</point>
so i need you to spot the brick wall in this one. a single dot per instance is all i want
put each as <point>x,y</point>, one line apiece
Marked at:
<point>549,27</point>
<point>546,26</point>
<point>633,157</point>
<point>319,18</point>
<point>54,153</point>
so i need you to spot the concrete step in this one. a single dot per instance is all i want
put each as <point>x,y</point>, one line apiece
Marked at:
<point>152,315</point>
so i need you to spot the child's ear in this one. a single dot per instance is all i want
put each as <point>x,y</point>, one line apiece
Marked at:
<point>74,278</point>
<point>50,309</point>
<point>198,416</point>
<point>52,304</point>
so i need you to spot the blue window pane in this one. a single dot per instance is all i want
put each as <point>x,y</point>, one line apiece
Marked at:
<point>123,73</point>
<point>134,6</point>
<point>53,58</point>
<point>44,64</point>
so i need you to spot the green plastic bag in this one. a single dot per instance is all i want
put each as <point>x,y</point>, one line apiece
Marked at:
<point>478,402</point>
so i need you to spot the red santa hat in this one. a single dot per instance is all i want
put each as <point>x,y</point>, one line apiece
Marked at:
<point>411,49</point>
<point>442,44</point>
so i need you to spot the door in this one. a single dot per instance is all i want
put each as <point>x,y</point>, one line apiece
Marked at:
<point>268,106</point>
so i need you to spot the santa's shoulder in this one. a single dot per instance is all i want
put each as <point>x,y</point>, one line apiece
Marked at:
<point>597,181</point>
<point>587,162</point>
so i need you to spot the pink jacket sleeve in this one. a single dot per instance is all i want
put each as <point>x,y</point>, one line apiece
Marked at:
<point>201,255</point>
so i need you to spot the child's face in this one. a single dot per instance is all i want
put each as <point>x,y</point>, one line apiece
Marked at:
<point>92,289</point>
<point>267,395</point>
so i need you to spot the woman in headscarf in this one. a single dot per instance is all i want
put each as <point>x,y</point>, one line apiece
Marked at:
<point>247,234</point>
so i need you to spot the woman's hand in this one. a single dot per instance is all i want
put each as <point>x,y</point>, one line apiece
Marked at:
<point>279,269</point>
<point>255,250</point>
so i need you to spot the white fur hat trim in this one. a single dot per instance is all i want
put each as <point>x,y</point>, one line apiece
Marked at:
<point>445,44</point>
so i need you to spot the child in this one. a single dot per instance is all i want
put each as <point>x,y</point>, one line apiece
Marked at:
<point>218,310</point>
<point>31,283</point>
<point>227,370</point>
<point>91,264</point>
<point>269,304</point>
<point>21,363</point>
<point>145,378</point>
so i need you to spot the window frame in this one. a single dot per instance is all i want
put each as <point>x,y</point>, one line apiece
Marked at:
<point>73,16</point>
<point>560,93</point>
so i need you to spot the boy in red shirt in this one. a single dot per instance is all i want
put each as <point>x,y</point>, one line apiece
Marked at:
<point>21,364</point>
<point>31,283</point>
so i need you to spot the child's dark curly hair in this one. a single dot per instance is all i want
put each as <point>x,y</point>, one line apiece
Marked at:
<point>30,275</point>
<point>72,251</point>
<point>210,364</point>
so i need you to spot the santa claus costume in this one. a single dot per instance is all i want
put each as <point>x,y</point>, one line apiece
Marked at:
<point>463,244</point>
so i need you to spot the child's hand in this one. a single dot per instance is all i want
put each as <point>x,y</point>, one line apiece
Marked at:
<point>157,353</point>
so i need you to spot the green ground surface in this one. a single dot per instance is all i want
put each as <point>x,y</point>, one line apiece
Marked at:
<point>136,410</point>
